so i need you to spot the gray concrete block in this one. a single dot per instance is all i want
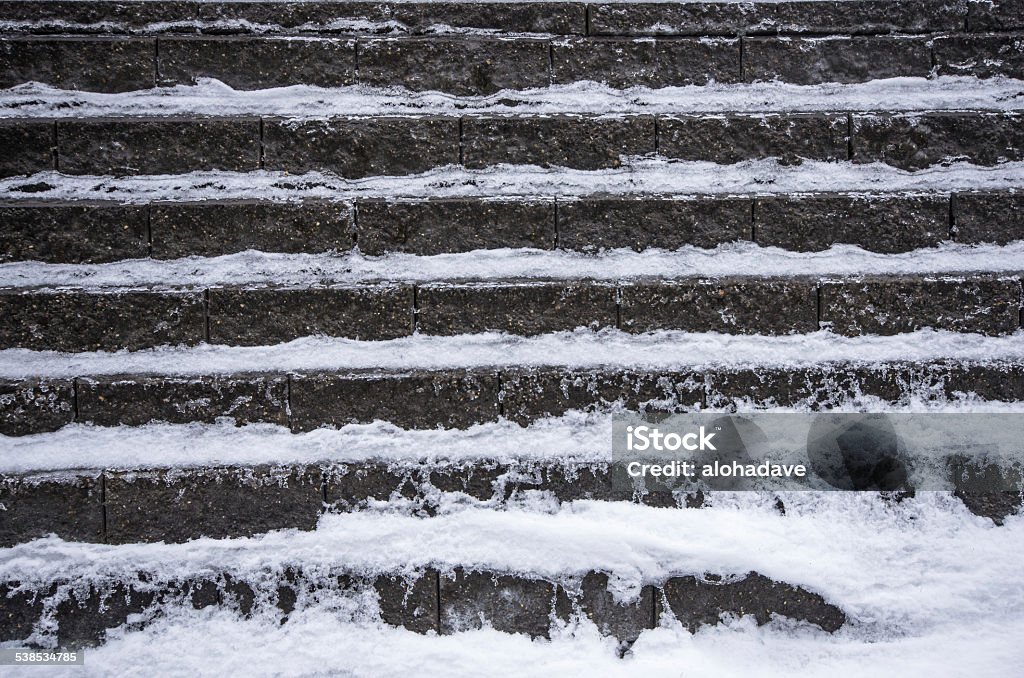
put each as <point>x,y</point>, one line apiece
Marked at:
<point>70,506</point>
<point>159,146</point>
<point>995,217</point>
<point>102,321</point>
<point>87,612</point>
<point>349,487</point>
<point>1004,15</point>
<point>877,305</point>
<point>361,147</point>
<point>28,145</point>
<point>734,138</point>
<point>813,387</point>
<point>251,63</point>
<point>507,603</point>
<point>916,141</point>
<point>622,62</point>
<point>411,603</point>
<point>213,228</point>
<point>878,223</point>
<point>135,400</point>
<point>178,505</point>
<point>579,142</point>
<point>253,317</point>
<point>981,56</point>
<point>596,223</point>
<point>35,405</point>
<point>702,601</point>
<point>625,621</point>
<point>454,225</point>
<point>464,66</point>
<point>732,306</point>
<point>517,308</point>
<point>88,17</point>
<point>72,233</point>
<point>92,64</point>
<point>423,400</point>
<point>811,61</point>
<point>529,394</point>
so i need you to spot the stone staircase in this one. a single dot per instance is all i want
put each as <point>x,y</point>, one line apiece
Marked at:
<point>773,230</point>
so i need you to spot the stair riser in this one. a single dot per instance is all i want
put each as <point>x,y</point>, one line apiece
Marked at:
<point>458,399</point>
<point>178,505</point>
<point>445,603</point>
<point>112,320</point>
<point>355,148</point>
<point>86,232</point>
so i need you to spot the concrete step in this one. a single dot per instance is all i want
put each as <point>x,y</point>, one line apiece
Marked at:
<point>485,65</point>
<point>113,319</point>
<point>305,399</point>
<point>84,231</point>
<point>372,146</point>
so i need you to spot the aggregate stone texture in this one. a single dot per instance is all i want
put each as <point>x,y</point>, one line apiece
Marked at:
<point>726,139</point>
<point>35,506</point>
<point>913,141</point>
<point>596,223</point>
<point>507,603</point>
<point>137,400</point>
<point>164,146</point>
<point>821,18</point>
<point>218,228</point>
<point>395,17</point>
<point>361,147</point>
<point>988,217</point>
<point>28,147</point>
<point>84,618</point>
<point>887,224</point>
<point>182,504</point>
<point>107,321</point>
<point>577,142</point>
<point>622,63</point>
<point>416,400</point>
<point>699,602</point>
<point>981,56</point>
<point>887,306</point>
<point>526,308</point>
<point>258,63</point>
<point>479,480</point>
<point>95,16</point>
<point>410,603</point>
<point>1001,381</point>
<point>19,611</point>
<point>462,66</point>
<point>625,621</point>
<point>35,405</point>
<point>351,487</point>
<point>453,225</point>
<point>254,317</point>
<point>535,393</point>
<point>732,306</point>
<point>74,233</point>
<point>816,387</point>
<point>1005,15</point>
<point>567,482</point>
<point>92,64</point>
<point>813,61</point>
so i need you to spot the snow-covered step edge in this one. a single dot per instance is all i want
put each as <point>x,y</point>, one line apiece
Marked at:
<point>837,545</point>
<point>637,176</point>
<point>304,102</point>
<point>745,260</point>
<point>584,349</point>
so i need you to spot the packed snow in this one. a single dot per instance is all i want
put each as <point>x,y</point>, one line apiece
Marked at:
<point>303,102</point>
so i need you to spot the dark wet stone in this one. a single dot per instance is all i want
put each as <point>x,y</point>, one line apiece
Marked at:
<point>736,306</point>
<point>734,138</point>
<point>35,405</point>
<point>626,63</point>
<point>73,233</point>
<point>592,224</point>
<point>507,603</point>
<point>526,308</point>
<point>83,619</point>
<point>255,317</point>
<point>996,217</point>
<point>981,56</point>
<point>28,147</point>
<point>412,604</point>
<point>839,59</point>
<point>34,506</point>
<point>91,64</point>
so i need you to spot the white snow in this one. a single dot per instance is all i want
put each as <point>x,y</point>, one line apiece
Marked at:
<point>253,268</point>
<point>660,350</point>
<point>635,176</point>
<point>214,98</point>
